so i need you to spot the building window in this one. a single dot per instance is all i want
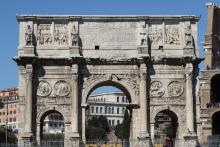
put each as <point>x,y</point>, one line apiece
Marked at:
<point>123,99</point>
<point>14,119</point>
<point>113,122</point>
<point>3,113</point>
<point>0,121</point>
<point>109,121</point>
<point>10,119</point>
<point>105,109</point>
<point>100,109</point>
<point>109,110</point>
<point>112,110</point>
<point>118,122</point>
<point>123,110</point>
<point>0,113</point>
<point>97,109</point>
<point>117,110</point>
<point>92,109</point>
<point>14,111</point>
<point>117,99</point>
<point>10,112</point>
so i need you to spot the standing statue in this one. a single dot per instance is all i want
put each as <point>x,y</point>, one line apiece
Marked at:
<point>144,37</point>
<point>189,37</point>
<point>28,35</point>
<point>74,36</point>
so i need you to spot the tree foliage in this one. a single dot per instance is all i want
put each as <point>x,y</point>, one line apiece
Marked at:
<point>122,131</point>
<point>97,128</point>
<point>1,104</point>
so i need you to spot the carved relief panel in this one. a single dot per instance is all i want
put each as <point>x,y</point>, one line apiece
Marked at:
<point>44,88</point>
<point>175,88</point>
<point>156,35</point>
<point>61,88</point>
<point>156,89</point>
<point>172,35</point>
<point>60,34</point>
<point>44,35</point>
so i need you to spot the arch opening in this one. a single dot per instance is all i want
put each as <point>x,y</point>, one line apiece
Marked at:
<point>166,127</point>
<point>52,128</point>
<point>215,92</point>
<point>215,123</point>
<point>107,103</point>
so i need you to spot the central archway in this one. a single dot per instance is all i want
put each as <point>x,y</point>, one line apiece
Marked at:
<point>123,96</point>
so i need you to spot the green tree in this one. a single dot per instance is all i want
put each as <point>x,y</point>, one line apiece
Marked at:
<point>1,104</point>
<point>126,125</point>
<point>118,131</point>
<point>97,128</point>
<point>122,131</point>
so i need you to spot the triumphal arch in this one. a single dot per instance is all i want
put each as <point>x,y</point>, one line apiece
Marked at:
<point>153,59</point>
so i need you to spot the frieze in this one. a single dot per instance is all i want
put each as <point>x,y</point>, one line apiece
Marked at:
<point>44,36</point>
<point>175,88</point>
<point>156,89</point>
<point>44,89</point>
<point>61,88</point>
<point>167,100</point>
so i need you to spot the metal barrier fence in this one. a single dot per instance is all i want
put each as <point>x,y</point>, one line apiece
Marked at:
<point>132,143</point>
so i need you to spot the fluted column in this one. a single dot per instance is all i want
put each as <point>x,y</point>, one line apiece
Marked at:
<point>29,74</point>
<point>143,101</point>
<point>74,100</point>
<point>189,99</point>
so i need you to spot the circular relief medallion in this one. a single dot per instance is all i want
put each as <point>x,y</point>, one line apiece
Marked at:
<point>175,88</point>
<point>61,88</point>
<point>156,89</point>
<point>44,88</point>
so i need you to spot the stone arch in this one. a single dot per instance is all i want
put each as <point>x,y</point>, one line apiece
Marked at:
<point>41,114</point>
<point>173,109</point>
<point>215,123</point>
<point>214,84</point>
<point>123,84</point>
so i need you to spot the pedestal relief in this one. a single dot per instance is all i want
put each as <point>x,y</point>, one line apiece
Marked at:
<point>44,88</point>
<point>175,88</point>
<point>156,89</point>
<point>61,88</point>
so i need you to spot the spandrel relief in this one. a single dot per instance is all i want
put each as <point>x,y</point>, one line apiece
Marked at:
<point>60,34</point>
<point>44,88</point>
<point>156,89</point>
<point>172,36</point>
<point>44,36</point>
<point>61,88</point>
<point>175,88</point>
<point>156,35</point>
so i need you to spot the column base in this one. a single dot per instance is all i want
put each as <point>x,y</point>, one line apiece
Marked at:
<point>190,139</point>
<point>74,140</point>
<point>26,140</point>
<point>144,139</point>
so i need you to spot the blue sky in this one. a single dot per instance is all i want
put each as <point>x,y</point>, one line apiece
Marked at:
<point>9,26</point>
